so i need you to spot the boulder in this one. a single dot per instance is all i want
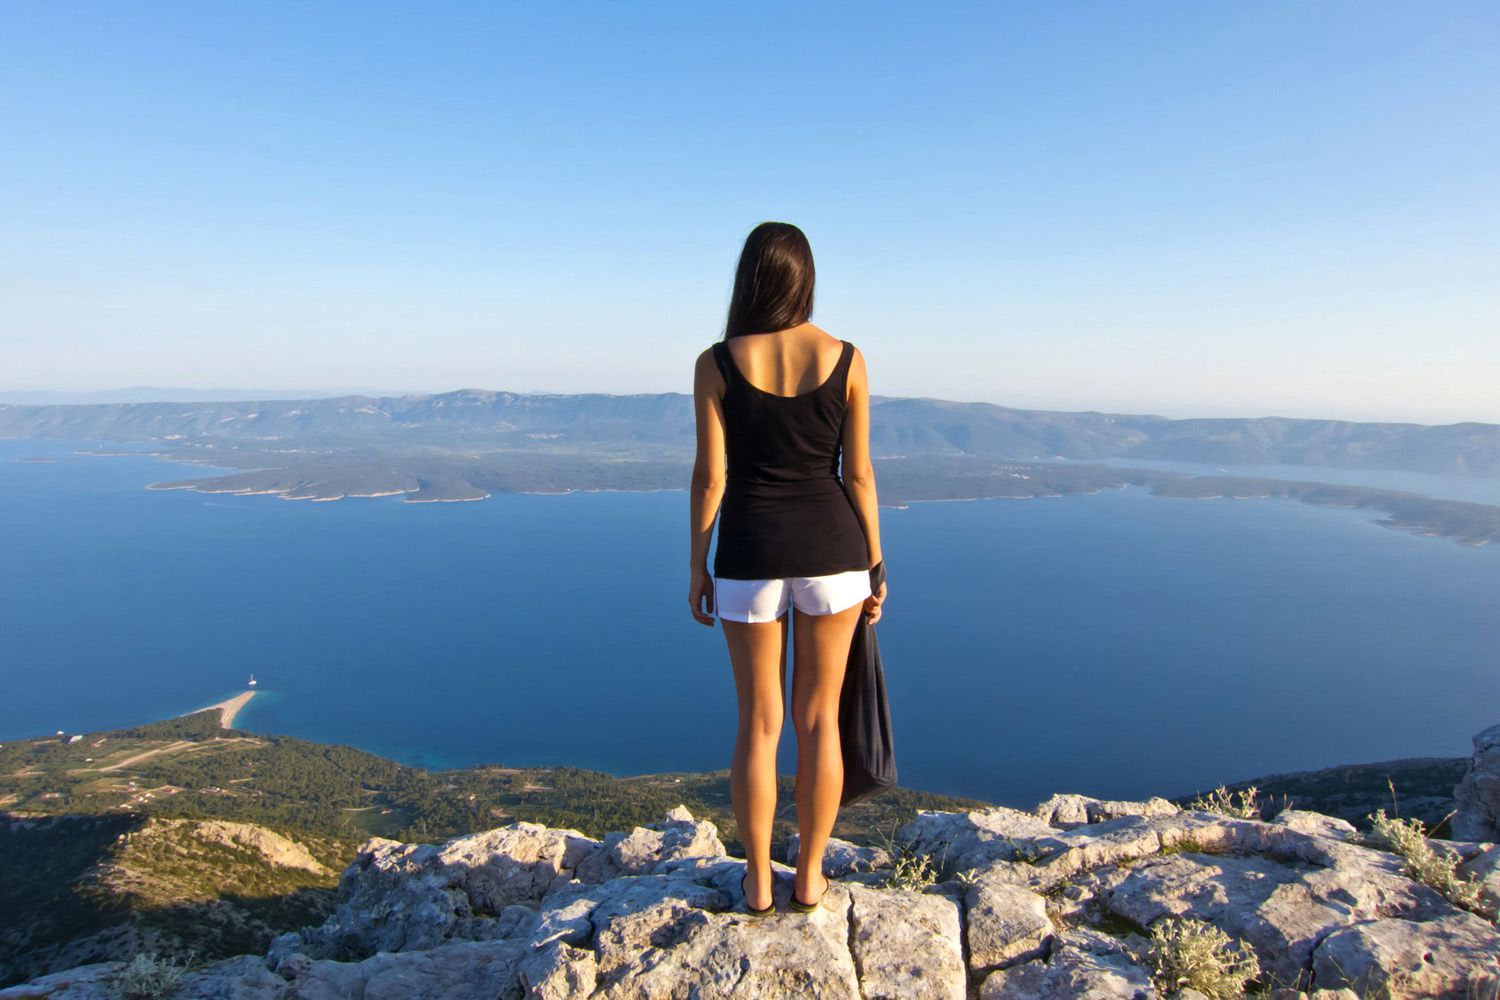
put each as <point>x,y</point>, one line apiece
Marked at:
<point>1455,957</point>
<point>840,857</point>
<point>1006,923</point>
<point>907,944</point>
<point>1478,792</point>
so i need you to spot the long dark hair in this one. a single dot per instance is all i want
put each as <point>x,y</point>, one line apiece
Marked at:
<point>773,285</point>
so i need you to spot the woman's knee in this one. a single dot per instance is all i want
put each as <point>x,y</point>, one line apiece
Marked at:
<point>818,714</point>
<point>763,724</point>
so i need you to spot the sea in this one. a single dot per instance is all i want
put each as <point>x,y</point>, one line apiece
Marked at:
<point>1113,644</point>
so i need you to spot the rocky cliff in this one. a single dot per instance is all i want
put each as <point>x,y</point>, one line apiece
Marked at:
<point>1077,897</point>
<point>1057,901</point>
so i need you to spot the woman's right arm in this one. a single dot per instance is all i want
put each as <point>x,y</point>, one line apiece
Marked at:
<point>858,472</point>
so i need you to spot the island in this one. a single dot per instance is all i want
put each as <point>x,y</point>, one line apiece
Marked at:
<point>469,445</point>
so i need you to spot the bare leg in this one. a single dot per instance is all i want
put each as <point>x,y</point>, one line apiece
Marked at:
<point>822,654</point>
<point>758,654</point>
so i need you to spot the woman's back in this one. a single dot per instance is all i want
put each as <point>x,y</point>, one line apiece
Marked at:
<point>785,512</point>
<point>788,362</point>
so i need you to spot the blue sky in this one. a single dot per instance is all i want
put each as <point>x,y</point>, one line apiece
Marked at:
<point>1182,208</point>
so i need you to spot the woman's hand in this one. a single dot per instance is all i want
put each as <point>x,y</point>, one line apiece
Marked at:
<point>873,603</point>
<point>701,597</point>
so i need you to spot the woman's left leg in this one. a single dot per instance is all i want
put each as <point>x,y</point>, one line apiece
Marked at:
<point>758,653</point>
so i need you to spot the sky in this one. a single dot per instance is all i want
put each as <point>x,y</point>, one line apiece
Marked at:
<point>1184,208</point>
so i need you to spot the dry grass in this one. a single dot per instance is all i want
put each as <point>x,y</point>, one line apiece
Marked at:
<point>1240,805</point>
<point>1437,869</point>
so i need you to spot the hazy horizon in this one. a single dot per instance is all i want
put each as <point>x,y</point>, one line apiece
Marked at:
<point>1196,210</point>
<point>180,394</point>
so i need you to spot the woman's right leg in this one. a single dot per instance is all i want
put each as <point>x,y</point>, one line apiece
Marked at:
<point>822,644</point>
<point>757,652</point>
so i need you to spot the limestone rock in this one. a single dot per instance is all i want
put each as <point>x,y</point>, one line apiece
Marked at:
<point>85,982</point>
<point>679,835</point>
<point>1484,868</point>
<point>670,951</point>
<point>1478,793</point>
<point>840,857</point>
<point>1069,810</point>
<point>1317,823</point>
<point>907,945</point>
<point>1046,907</point>
<point>1456,957</point>
<point>1280,908</point>
<point>959,841</point>
<point>272,846</point>
<point>1007,923</point>
<point>241,978</point>
<point>558,972</point>
<point>402,897</point>
<point>1080,965</point>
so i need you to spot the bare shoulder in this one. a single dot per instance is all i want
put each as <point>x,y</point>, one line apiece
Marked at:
<point>856,362</point>
<point>706,369</point>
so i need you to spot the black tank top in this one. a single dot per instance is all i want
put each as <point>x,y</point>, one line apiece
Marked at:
<point>785,512</point>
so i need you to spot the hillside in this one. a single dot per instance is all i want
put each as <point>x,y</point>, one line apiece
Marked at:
<point>181,835</point>
<point>116,841</point>
<point>660,425</point>
<point>1075,898</point>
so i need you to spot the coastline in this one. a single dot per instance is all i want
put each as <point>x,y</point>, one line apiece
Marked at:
<point>228,708</point>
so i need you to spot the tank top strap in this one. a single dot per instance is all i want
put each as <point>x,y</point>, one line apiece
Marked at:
<point>725,368</point>
<point>841,370</point>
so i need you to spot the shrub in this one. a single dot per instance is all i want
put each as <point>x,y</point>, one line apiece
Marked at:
<point>149,977</point>
<point>1191,953</point>
<point>910,869</point>
<point>1408,839</point>
<point>1240,805</point>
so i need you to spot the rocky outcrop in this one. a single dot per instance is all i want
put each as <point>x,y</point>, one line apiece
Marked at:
<point>1054,902</point>
<point>1478,793</point>
<point>273,848</point>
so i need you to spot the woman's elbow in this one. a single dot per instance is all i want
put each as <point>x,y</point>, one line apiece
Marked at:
<point>863,476</point>
<point>707,481</point>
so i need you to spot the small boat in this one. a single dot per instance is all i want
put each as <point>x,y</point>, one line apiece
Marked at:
<point>252,680</point>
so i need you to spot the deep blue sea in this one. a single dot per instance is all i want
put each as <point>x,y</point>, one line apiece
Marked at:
<point>1115,644</point>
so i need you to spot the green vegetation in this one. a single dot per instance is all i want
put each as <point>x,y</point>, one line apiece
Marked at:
<point>1181,844</point>
<point>101,856</point>
<point>1437,869</point>
<point>910,869</point>
<point>1352,791</point>
<point>1195,954</point>
<point>1239,805</point>
<point>148,977</point>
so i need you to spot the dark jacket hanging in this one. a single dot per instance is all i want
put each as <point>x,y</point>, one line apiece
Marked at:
<point>865,714</point>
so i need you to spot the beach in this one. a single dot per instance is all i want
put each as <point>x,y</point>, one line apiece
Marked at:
<point>229,708</point>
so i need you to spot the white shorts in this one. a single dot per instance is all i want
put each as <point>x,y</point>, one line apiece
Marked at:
<point>768,600</point>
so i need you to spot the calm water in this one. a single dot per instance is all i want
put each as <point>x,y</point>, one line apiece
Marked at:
<point>1473,489</point>
<point>1114,644</point>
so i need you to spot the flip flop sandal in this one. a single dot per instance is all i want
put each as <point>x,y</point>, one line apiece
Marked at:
<point>750,909</point>
<point>801,907</point>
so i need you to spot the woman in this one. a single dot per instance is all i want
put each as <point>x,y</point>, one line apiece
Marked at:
<point>781,398</point>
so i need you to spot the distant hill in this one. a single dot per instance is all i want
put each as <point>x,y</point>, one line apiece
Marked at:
<point>160,394</point>
<point>662,424</point>
<point>470,444</point>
